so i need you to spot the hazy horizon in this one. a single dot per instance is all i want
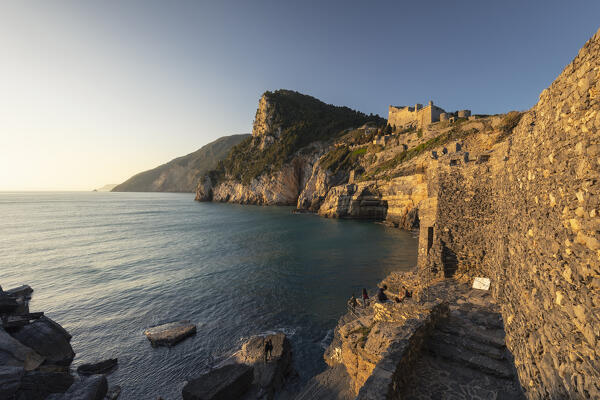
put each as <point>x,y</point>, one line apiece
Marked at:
<point>93,93</point>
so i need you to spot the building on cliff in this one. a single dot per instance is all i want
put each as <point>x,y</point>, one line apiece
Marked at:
<point>419,116</point>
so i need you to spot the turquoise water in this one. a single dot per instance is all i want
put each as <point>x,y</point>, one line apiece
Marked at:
<point>108,265</point>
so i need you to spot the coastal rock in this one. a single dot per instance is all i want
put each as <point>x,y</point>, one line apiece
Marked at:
<point>94,387</point>
<point>101,367</point>
<point>38,385</point>
<point>21,291</point>
<point>48,339</point>
<point>10,381</point>
<point>113,393</point>
<point>15,353</point>
<point>171,333</point>
<point>268,376</point>
<point>228,382</point>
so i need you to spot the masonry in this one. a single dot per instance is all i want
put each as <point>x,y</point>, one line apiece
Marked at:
<point>418,115</point>
<point>527,218</point>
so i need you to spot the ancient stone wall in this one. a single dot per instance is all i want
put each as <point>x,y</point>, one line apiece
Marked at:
<point>528,219</point>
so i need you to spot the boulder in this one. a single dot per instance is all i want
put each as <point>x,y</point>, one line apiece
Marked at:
<point>21,291</point>
<point>171,333</point>
<point>48,339</point>
<point>38,385</point>
<point>14,353</point>
<point>94,387</point>
<point>270,375</point>
<point>10,381</point>
<point>228,382</point>
<point>101,367</point>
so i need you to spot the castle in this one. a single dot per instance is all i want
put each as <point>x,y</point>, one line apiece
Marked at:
<point>420,116</point>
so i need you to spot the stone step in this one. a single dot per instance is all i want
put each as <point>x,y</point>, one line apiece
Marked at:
<point>475,316</point>
<point>492,337</point>
<point>470,359</point>
<point>468,344</point>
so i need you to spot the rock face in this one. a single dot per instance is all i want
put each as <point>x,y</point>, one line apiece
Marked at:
<point>171,333</point>
<point>181,174</point>
<point>10,381</point>
<point>228,382</point>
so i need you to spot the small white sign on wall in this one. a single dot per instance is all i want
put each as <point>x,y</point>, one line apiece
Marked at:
<point>481,283</point>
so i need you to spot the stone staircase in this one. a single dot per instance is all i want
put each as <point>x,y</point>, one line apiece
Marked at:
<point>466,356</point>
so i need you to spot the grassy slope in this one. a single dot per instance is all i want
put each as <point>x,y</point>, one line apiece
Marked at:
<point>181,169</point>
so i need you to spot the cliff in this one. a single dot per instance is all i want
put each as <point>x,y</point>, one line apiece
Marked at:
<point>182,173</point>
<point>290,133</point>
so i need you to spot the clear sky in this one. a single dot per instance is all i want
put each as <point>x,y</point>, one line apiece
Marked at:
<point>92,92</point>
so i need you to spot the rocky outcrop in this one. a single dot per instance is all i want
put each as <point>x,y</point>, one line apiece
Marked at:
<point>93,387</point>
<point>280,188</point>
<point>250,375</point>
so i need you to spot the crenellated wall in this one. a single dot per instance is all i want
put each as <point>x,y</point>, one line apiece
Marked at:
<point>528,218</point>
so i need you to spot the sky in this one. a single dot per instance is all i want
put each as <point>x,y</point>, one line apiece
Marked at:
<point>93,92</point>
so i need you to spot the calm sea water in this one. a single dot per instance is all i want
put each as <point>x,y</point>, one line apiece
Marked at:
<point>108,265</point>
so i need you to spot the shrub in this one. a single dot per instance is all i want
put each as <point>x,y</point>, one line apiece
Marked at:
<point>509,123</point>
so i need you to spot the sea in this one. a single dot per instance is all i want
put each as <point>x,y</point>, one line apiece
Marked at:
<point>106,266</point>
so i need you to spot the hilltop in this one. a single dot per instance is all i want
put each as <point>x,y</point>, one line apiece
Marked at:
<point>181,174</point>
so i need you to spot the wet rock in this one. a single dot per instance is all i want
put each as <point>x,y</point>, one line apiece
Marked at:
<point>171,333</point>
<point>101,367</point>
<point>228,382</point>
<point>94,387</point>
<point>10,381</point>
<point>14,353</point>
<point>48,339</point>
<point>38,385</point>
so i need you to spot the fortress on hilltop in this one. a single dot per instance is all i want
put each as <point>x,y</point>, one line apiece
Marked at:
<point>419,116</point>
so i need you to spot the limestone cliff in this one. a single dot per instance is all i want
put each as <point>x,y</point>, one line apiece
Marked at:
<point>291,132</point>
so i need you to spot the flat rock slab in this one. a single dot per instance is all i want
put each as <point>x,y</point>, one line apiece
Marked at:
<point>171,333</point>
<point>228,382</point>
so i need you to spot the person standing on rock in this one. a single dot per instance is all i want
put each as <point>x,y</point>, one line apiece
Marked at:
<point>381,296</point>
<point>268,350</point>
<point>365,297</point>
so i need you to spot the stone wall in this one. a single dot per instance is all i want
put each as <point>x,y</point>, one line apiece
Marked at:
<point>528,219</point>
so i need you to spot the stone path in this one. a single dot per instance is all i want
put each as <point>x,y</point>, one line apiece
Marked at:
<point>466,356</point>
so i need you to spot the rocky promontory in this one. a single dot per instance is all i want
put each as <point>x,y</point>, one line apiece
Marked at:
<point>36,354</point>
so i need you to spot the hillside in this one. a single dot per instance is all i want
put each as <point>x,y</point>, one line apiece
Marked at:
<point>291,131</point>
<point>182,173</point>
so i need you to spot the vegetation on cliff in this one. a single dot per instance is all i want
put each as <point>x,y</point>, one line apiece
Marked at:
<point>182,173</point>
<point>295,121</point>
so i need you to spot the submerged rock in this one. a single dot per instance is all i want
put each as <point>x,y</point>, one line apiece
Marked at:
<point>101,367</point>
<point>48,339</point>
<point>113,393</point>
<point>171,333</point>
<point>228,382</point>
